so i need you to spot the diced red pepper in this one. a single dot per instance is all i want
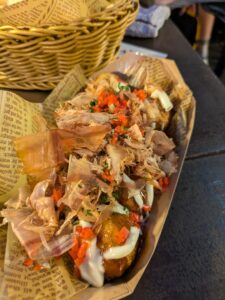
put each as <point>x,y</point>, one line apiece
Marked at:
<point>83,249</point>
<point>120,108</point>
<point>123,104</point>
<point>141,94</point>
<point>146,208</point>
<point>122,235</point>
<point>79,229</point>
<point>102,99</point>
<point>81,253</point>
<point>73,254</point>
<point>105,99</point>
<point>56,194</point>
<point>107,176</point>
<point>28,262</point>
<point>87,233</point>
<point>78,261</point>
<point>114,139</point>
<point>97,109</point>
<point>123,120</point>
<point>112,99</point>
<point>164,182</point>
<point>117,110</point>
<point>74,250</point>
<point>119,130</point>
<point>38,267</point>
<point>135,218</point>
<point>77,272</point>
<point>105,102</point>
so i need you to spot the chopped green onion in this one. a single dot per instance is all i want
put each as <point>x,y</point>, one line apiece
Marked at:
<point>93,102</point>
<point>88,212</point>
<point>126,210</point>
<point>126,88</point>
<point>75,221</point>
<point>122,87</point>
<point>105,165</point>
<point>121,137</point>
<point>115,195</point>
<point>104,199</point>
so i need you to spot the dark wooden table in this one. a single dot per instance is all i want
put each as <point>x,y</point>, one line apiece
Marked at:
<point>189,262</point>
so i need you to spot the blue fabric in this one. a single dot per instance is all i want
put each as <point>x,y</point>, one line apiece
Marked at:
<point>149,21</point>
<point>142,30</point>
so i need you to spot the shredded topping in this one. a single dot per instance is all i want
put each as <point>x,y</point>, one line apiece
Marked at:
<point>108,155</point>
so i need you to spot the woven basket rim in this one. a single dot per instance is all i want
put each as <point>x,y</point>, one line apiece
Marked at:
<point>98,17</point>
<point>52,50</point>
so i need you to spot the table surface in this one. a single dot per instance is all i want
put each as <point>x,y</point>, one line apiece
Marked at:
<point>189,262</point>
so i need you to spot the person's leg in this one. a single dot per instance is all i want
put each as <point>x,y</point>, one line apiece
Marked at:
<point>206,21</point>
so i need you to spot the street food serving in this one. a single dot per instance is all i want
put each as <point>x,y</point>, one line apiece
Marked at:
<point>93,178</point>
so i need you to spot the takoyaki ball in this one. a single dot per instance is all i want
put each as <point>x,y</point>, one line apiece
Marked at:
<point>106,239</point>
<point>129,203</point>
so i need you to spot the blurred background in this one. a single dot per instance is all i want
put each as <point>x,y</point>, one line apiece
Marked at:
<point>191,23</point>
<point>201,22</point>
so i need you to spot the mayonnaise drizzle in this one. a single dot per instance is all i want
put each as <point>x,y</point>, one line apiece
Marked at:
<point>92,269</point>
<point>120,209</point>
<point>163,98</point>
<point>133,192</point>
<point>122,251</point>
<point>150,194</point>
<point>84,223</point>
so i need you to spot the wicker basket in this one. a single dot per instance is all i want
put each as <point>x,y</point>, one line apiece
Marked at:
<point>38,58</point>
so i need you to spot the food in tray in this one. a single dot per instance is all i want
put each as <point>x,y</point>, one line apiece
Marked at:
<point>93,178</point>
